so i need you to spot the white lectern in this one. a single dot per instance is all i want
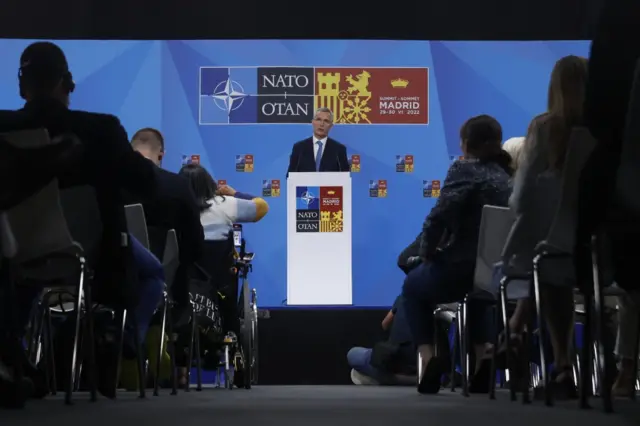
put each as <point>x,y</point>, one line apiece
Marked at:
<point>319,239</point>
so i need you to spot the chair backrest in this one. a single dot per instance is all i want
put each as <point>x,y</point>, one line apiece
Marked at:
<point>627,195</point>
<point>8,244</point>
<point>25,139</point>
<point>82,212</point>
<point>39,226</point>
<point>171,257</point>
<point>562,232</point>
<point>494,228</point>
<point>137,224</point>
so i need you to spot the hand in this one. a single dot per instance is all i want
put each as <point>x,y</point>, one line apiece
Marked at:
<point>226,190</point>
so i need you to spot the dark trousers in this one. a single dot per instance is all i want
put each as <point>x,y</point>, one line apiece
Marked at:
<point>433,283</point>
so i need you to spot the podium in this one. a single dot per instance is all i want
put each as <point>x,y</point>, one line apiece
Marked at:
<point>319,239</point>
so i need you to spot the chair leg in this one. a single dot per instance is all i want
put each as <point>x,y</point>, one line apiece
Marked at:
<point>76,335</point>
<point>585,358</point>
<point>492,376</point>
<point>50,360</point>
<point>187,385</point>
<point>635,364</point>
<point>526,356</point>
<point>90,333</point>
<point>603,356</point>
<point>465,349</point>
<point>541,330</point>
<point>142,383</point>
<point>172,352</point>
<point>156,379</point>
<point>123,323</point>
<point>198,355</point>
<point>507,338</point>
<point>454,348</point>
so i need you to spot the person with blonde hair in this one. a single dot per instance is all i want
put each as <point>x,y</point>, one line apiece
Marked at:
<point>514,146</point>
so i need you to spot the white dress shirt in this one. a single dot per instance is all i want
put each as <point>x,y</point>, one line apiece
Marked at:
<point>315,147</point>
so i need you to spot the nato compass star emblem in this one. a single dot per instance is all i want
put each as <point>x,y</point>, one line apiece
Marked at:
<point>307,197</point>
<point>229,95</point>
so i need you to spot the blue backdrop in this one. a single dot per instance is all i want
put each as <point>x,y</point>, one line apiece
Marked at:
<point>156,84</point>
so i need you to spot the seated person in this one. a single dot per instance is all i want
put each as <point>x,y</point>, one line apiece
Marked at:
<point>109,165</point>
<point>534,201</point>
<point>410,257</point>
<point>174,206</point>
<point>626,350</point>
<point>449,245</point>
<point>221,207</point>
<point>391,362</point>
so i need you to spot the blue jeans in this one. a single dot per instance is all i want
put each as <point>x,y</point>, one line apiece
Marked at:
<point>433,283</point>
<point>151,281</point>
<point>360,360</point>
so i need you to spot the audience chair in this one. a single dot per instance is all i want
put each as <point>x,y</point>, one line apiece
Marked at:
<point>494,228</point>
<point>137,227</point>
<point>170,263</point>
<point>249,321</point>
<point>137,224</point>
<point>558,246</point>
<point>46,256</point>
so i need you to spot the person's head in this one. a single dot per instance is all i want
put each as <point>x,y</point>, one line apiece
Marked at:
<point>322,122</point>
<point>481,138</point>
<point>44,72</point>
<point>203,185</point>
<point>149,143</point>
<point>514,147</point>
<point>565,104</point>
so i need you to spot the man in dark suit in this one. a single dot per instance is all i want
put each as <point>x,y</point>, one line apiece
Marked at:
<point>319,153</point>
<point>174,206</point>
<point>107,163</point>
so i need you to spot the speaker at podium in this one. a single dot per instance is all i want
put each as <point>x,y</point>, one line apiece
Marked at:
<point>319,239</point>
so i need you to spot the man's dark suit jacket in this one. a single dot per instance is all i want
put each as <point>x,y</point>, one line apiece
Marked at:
<point>334,157</point>
<point>107,163</point>
<point>174,206</point>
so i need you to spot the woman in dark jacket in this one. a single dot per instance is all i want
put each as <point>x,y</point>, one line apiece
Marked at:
<point>449,244</point>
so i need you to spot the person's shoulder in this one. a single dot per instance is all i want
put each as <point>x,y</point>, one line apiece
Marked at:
<point>338,144</point>
<point>11,116</point>
<point>302,142</point>
<point>96,118</point>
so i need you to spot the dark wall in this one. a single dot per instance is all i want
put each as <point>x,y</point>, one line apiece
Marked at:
<point>211,19</point>
<point>309,346</point>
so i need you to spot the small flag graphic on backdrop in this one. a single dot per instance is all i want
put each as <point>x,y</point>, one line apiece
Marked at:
<point>431,188</point>
<point>426,188</point>
<point>244,163</point>
<point>222,182</point>
<point>378,188</point>
<point>355,163</point>
<point>190,159</point>
<point>271,188</point>
<point>404,163</point>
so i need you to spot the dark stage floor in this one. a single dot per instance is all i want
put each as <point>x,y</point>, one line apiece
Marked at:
<point>314,405</point>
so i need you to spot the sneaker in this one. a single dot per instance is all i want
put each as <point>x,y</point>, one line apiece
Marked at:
<point>362,380</point>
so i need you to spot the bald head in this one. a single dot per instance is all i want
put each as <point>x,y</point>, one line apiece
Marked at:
<point>149,143</point>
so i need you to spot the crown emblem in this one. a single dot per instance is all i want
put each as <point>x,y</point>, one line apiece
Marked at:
<point>399,83</point>
<point>331,192</point>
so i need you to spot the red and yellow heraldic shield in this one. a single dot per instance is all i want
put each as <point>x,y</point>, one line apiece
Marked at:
<point>374,95</point>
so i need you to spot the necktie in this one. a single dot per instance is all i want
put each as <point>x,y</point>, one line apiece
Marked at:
<point>318,156</point>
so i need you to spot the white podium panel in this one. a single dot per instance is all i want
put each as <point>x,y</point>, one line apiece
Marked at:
<point>319,239</point>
